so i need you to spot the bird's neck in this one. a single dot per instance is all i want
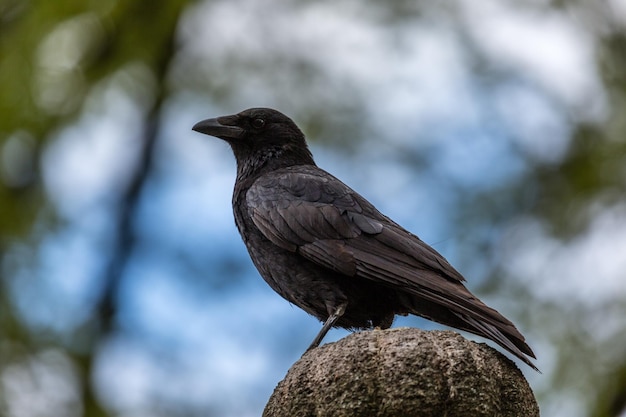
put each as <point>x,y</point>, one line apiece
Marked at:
<point>270,159</point>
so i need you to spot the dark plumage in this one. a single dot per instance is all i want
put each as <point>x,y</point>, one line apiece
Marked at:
<point>323,247</point>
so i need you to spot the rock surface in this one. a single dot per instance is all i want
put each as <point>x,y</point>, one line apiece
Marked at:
<point>403,372</point>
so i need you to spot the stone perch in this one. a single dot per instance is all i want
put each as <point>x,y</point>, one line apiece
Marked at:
<point>403,372</point>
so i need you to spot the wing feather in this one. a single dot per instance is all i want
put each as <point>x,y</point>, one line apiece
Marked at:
<point>295,210</point>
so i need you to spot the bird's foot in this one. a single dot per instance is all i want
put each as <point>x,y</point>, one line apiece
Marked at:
<point>332,319</point>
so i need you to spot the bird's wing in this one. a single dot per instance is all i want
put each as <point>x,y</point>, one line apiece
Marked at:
<point>307,210</point>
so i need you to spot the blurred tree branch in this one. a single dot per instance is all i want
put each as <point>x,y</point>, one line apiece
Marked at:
<point>133,31</point>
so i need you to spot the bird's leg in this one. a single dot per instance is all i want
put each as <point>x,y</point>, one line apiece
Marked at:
<point>330,321</point>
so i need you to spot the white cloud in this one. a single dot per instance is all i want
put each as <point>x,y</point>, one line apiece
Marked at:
<point>588,269</point>
<point>86,162</point>
<point>544,46</point>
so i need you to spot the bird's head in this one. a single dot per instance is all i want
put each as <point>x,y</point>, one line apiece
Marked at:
<point>261,138</point>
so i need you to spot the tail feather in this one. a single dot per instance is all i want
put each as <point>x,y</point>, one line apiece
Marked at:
<point>480,320</point>
<point>514,344</point>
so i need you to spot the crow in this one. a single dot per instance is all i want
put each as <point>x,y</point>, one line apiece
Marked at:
<point>326,249</point>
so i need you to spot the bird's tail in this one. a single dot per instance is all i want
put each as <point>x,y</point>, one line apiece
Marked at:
<point>512,341</point>
<point>471,315</point>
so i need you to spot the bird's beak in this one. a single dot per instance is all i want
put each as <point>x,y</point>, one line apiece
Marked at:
<point>220,130</point>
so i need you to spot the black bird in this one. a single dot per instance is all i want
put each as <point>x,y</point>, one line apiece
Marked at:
<point>326,249</point>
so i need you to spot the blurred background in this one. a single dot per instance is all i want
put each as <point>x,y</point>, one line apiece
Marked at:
<point>495,130</point>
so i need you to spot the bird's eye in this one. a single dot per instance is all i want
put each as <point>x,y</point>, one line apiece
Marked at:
<point>258,123</point>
